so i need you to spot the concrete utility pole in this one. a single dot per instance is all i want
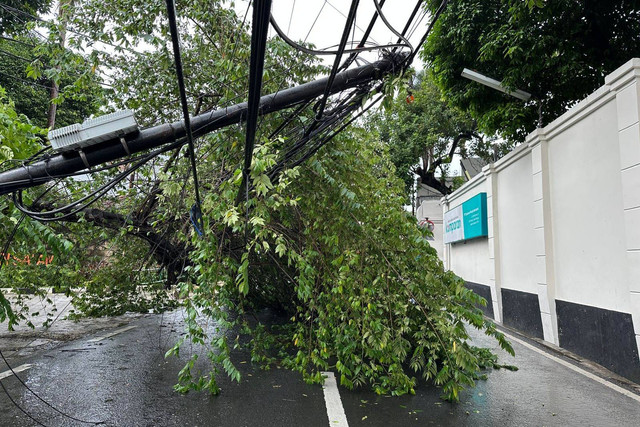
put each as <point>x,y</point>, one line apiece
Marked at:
<point>70,162</point>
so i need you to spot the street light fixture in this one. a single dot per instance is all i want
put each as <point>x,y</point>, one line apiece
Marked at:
<point>494,84</point>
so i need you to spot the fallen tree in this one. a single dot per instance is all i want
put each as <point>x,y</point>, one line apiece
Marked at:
<point>320,235</point>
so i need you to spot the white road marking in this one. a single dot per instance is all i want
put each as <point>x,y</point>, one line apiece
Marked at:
<point>114,333</point>
<point>576,369</point>
<point>17,369</point>
<point>335,411</point>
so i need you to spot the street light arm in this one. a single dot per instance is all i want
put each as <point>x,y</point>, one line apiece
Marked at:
<point>494,84</point>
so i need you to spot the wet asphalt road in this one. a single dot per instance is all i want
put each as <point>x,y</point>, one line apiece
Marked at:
<point>124,380</point>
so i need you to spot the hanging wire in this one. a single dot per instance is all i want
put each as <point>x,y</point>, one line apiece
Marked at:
<point>322,134</point>
<point>326,51</point>
<point>436,15</point>
<point>345,16</point>
<point>196,209</point>
<point>391,27</point>
<point>314,21</point>
<point>4,251</point>
<point>336,63</point>
<point>260,27</point>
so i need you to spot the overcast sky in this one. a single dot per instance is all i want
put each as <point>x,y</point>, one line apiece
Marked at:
<point>297,17</point>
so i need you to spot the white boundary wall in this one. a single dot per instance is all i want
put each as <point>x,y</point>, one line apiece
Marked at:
<point>564,212</point>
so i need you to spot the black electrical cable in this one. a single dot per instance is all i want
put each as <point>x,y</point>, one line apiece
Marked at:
<point>171,10</point>
<point>311,51</point>
<point>32,158</point>
<point>391,27</point>
<point>20,407</point>
<point>336,63</point>
<point>289,119</point>
<point>335,117</point>
<point>409,59</point>
<point>260,27</point>
<point>363,40</point>
<point>68,175</point>
<point>416,23</point>
<point>96,194</point>
<point>5,250</point>
<point>17,41</point>
<point>13,55</point>
<point>415,11</point>
<point>12,10</point>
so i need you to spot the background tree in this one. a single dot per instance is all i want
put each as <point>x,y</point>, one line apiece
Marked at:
<point>30,91</point>
<point>12,21</point>
<point>558,50</point>
<point>423,133</point>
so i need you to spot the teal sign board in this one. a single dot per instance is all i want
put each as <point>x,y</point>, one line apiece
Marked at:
<point>467,221</point>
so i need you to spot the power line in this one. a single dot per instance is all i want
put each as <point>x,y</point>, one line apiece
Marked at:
<point>156,136</point>
<point>439,12</point>
<point>345,16</point>
<point>17,41</point>
<point>5,250</point>
<point>354,51</point>
<point>315,20</point>
<point>336,63</point>
<point>13,55</point>
<point>365,36</point>
<point>25,81</point>
<point>390,27</point>
<point>260,27</point>
<point>196,210</point>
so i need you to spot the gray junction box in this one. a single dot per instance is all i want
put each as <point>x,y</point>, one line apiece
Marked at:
<point>93,131</point>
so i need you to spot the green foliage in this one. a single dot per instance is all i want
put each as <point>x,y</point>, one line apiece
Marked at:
<point>365,293</point>
<point>12,21</point>
<point>327,244</point>
<point>423,132</point>
<point>19,139</point>
<point>119,287</point>
<point>32,278</point>
<point>558,50</point>
<point>27,69</point>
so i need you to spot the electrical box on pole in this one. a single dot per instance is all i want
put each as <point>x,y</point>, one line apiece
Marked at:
<point>93,131</point>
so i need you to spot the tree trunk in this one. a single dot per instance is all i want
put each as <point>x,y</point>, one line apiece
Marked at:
<point>55,90</point>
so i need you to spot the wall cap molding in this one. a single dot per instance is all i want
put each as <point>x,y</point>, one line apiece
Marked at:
<point>614,82</point>
<point>536,137</point>
<point>462,191</point>
<point>516,154</point>
<point>623,75</point>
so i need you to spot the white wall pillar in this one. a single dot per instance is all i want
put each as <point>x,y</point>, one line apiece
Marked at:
<point>542,231</point>
<point>446,248</point>
<point>625,82</point>
<point>493,241</point>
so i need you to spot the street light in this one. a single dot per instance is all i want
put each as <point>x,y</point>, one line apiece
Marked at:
<point>494,84</point>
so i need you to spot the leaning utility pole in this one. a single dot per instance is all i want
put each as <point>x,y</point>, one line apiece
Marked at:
<point>63,164</point>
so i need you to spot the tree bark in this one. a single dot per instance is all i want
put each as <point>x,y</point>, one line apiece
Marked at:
<point>55,90</point>
<point>171,256</point>
<point>428,174</point>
